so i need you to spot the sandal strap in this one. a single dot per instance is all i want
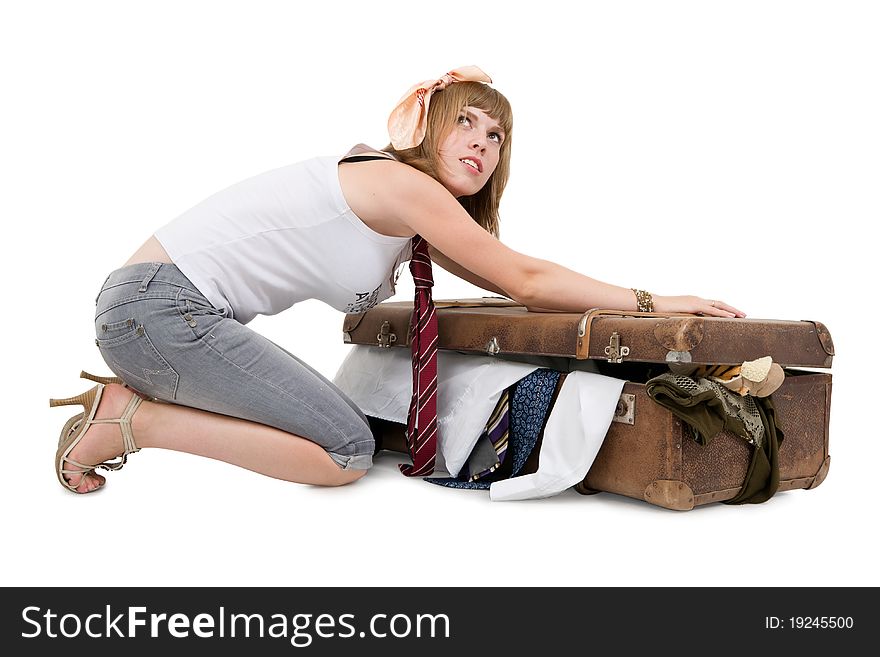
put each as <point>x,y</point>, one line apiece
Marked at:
<point>125,426</point>
<point>86,469</point>
<point>124,422</point>
<point>82,472</point>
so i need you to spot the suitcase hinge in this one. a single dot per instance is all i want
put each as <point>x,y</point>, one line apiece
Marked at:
<point>385,337</point>
<point>615,351</point>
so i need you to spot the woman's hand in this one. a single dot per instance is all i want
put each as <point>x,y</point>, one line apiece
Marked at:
<point>695,305</point>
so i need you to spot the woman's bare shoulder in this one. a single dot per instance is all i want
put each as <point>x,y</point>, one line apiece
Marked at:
<point>386,191</point>
<point>373,190</point>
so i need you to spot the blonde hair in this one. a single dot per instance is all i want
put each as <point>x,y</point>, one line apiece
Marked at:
<point>443,112</point>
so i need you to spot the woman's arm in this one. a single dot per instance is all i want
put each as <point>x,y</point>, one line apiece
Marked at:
<point>454,268</point>
<point>428,209</point>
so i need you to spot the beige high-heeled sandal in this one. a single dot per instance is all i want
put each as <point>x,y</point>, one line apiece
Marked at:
<point>76,427</point>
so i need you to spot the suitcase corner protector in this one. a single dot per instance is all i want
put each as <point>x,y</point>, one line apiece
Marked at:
<point>670,494</point>
<point>824,338</point>
<point>823,472</point>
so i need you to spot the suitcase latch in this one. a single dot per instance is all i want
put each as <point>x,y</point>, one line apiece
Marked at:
<point>385,337</point>
<point>615,351</point>
<point>492,348</point>
<point>625,412</point>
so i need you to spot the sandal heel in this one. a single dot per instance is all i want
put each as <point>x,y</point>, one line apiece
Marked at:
<point>106,380</point>
<point>86,399</point>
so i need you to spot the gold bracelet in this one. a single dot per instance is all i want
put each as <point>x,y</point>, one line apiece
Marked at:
<point>644,301</point>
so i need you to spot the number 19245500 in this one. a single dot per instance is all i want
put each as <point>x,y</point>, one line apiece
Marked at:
<point>809,622</point>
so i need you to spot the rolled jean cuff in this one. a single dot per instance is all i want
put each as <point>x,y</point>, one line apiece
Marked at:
<point>355,462</point>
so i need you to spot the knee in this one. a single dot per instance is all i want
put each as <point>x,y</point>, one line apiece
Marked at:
<point>343,477</point>
<point>356,454</point>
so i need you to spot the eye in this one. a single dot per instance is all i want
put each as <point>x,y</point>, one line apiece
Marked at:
<point>463,120</point>
<point>496,136</point>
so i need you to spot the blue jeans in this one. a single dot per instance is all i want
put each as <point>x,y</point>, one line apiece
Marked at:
<point>161,336</point>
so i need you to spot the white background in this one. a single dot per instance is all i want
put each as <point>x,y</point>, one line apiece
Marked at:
<point>728,150</point>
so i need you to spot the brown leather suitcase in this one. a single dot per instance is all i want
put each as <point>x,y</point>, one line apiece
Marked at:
<point>648,453</point>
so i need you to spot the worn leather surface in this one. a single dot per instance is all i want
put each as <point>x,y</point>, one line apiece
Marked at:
<point>659,448</point>
<point>710,340</point>
<point>500,326</point>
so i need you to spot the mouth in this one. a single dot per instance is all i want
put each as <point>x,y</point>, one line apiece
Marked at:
<point>475,164</point>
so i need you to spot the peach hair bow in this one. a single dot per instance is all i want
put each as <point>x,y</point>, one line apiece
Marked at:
<point>409,120</point>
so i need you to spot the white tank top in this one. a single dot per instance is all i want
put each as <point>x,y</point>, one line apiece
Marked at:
<point>268,242</point>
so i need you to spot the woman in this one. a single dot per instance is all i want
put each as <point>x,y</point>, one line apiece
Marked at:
<point>171,322</point>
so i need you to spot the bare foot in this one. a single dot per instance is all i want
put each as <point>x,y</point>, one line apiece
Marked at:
<point>101,442</point>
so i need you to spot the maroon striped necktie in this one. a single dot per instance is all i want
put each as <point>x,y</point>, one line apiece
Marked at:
<point>421,437</point>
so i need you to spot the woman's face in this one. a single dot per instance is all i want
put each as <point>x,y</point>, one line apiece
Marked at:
<point>470,152</point>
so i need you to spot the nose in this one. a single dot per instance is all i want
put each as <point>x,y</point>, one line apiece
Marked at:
<point>479,142</point>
